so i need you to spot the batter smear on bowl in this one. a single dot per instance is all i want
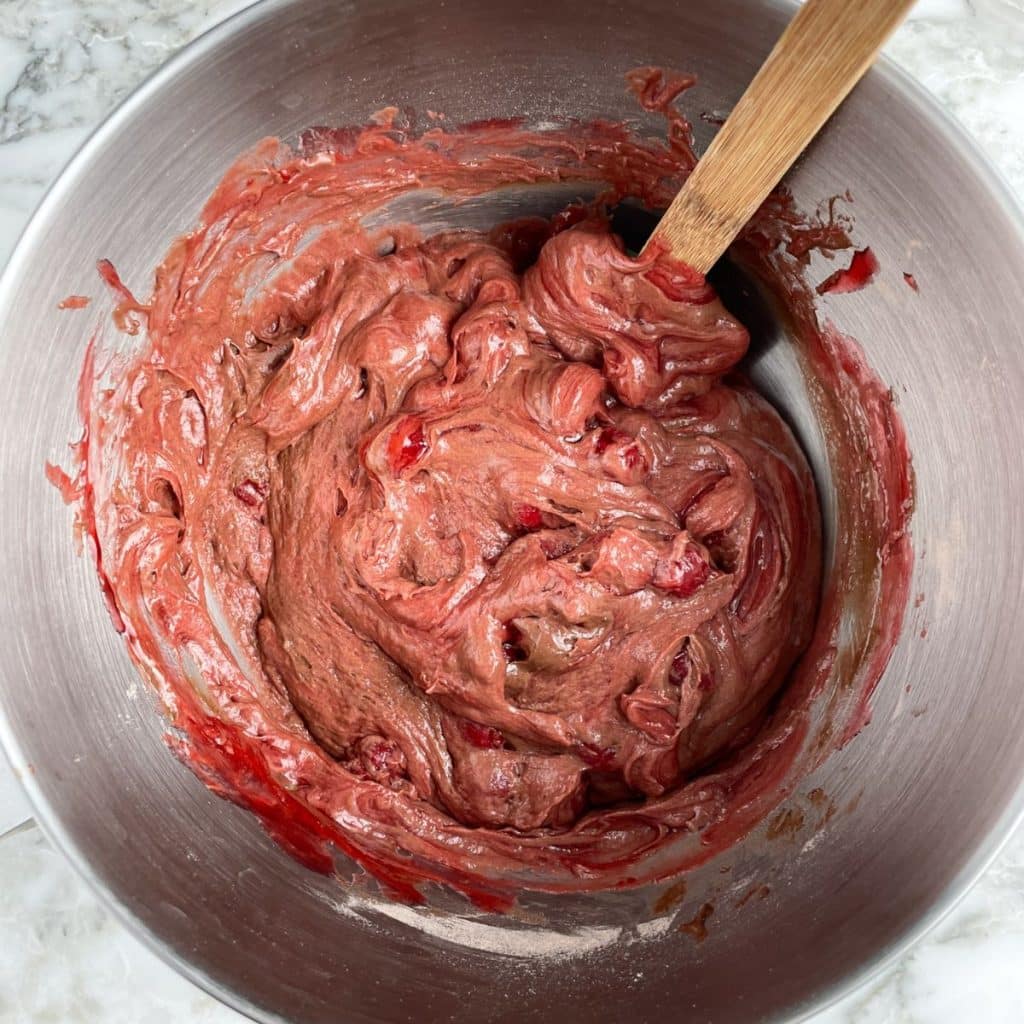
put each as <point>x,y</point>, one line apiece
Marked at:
<point>466,545</point>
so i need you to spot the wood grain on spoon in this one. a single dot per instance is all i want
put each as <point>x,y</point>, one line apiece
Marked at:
<point>820,57</point>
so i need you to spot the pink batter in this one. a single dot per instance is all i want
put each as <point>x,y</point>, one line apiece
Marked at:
<point>458,545</point>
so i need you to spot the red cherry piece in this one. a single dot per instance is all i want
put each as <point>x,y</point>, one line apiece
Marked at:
<point>633,457</point>
<point>529,517</point>
<point>861,271</point>
<point>608,437</point>
<point>250,493</point>
<point>683,576</point>
<point>483,736</point>
<point>379,756</point>
<point>407,445</point>
<point>680,666</point>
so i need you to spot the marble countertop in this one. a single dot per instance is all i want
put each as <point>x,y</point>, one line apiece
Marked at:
<point>63,65</point>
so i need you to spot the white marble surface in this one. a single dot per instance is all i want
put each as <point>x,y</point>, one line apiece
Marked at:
<point>63,65</point>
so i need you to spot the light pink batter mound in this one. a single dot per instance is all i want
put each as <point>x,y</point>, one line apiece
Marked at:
<point>461,553</point>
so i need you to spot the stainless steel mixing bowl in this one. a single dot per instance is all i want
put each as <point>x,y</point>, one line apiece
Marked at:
<point>925,794</point>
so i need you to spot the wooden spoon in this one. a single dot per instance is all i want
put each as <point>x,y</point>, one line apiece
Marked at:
<point>820,57</point>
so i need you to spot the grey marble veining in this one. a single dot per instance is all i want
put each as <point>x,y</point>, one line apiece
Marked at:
<point>64,64</point>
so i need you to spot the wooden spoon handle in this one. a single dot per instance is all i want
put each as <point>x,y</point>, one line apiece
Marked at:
<point>822,54</point>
